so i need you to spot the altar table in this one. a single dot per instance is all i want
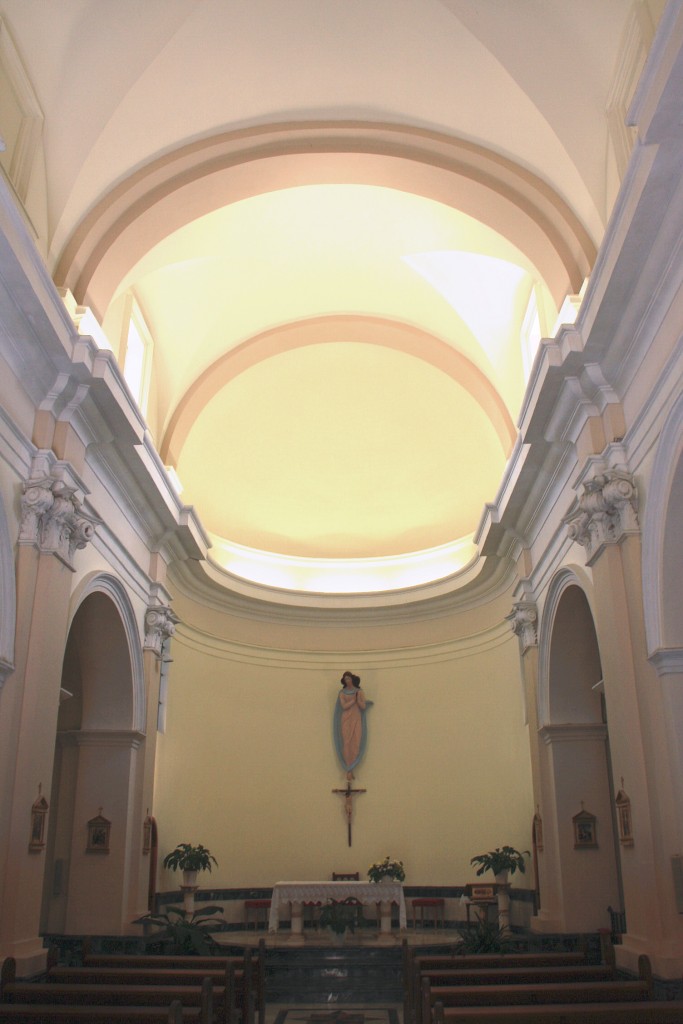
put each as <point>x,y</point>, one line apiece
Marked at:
<point>366,893</point>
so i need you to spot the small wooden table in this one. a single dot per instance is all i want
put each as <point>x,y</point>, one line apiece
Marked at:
<point>435,904</point>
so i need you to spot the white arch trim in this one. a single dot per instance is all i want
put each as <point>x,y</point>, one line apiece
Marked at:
<point>667,462</point>
<point>104,583</point>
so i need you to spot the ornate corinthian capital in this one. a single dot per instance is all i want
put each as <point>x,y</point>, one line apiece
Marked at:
<point>52,515</point>
<point>160,623</point>
<point>523,619</point>
<point>606,511</point>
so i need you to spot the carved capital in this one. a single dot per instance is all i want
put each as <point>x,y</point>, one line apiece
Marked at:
<point>160,623</point>
<point>52,515</point>
<point>6,669</point>
<point>605,512</point>
<point>524,618</point>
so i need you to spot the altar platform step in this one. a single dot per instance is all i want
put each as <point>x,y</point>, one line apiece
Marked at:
<point>363,938</point>
<point>359,974</point>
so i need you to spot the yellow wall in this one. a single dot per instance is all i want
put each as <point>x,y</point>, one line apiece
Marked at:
<point>247,764</point>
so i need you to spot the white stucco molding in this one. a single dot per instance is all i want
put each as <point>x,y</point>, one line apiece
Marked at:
<point>122,739</point>
<point>573,732</point>
<point>160,624</point>
<point>53,517</point>
<point>6,670</point>
<point>607,509</point>
<point>524,621</point>
<point>668,661</point>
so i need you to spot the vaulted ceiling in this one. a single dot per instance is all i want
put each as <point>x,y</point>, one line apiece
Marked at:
<point>338,219</point>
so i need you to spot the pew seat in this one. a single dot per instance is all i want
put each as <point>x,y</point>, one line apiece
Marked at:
<point>49,1013</point>
<point>648,1012</point>
<point>514,995</point>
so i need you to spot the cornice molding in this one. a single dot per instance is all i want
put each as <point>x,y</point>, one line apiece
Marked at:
<point>572,732</point>
<point>119,738</point>
<point>197,639</point>
<point>204,583</point>
<point>668,661</point>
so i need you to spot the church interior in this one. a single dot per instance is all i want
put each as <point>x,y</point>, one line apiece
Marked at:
<point>341,336</point>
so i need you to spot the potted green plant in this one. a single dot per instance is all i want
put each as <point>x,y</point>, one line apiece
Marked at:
<point>339,916</point>
<point>502,861</point>
<point>483,937</point>
<point>190,860</point>
<point>387,869</point>
<point>186,932</point>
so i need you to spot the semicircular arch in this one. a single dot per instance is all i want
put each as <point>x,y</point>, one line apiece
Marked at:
<point>567,635</point>
<point>203,176</point>
<point>134,702</point>
<point>317,330</point>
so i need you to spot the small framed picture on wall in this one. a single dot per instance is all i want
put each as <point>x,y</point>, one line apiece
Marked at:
<point>585,834</point>
<point>38,820</point>
<point>99,829</point>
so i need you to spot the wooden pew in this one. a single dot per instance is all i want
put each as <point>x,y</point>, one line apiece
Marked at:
<point>505,976</point>
<point>516,994</point>
<point>253,995</point>
<point>662,1012</point>
<point>416,965</point>
<point>477,961</point>
<point>226,983</point>
<point>21,1000</point>
<point>111,995</point>
<point>27,1013</point>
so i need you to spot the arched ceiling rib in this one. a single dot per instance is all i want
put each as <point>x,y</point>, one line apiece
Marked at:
<point>327,330</point>
<point>204,176</point>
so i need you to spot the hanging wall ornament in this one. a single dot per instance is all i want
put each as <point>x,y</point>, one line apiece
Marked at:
<point>38,820</point>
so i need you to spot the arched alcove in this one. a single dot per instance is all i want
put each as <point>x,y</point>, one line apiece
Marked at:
<point>117,615</point>
<point>579,879</point>
<point>574,671</point>
<point>662,552</point>
<point>663,580</point>
<point>671,586</point>
<point>8,599</point>
<point>95,763</point>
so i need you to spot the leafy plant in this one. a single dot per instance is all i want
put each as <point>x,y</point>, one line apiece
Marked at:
<point>505,858</point>
<point>186,857</point>
<point>339,915</point>
<point>386,868</point>
<point>483,937</point>
<point>188,933</point>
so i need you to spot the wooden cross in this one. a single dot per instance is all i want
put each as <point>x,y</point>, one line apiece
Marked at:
<point>348,795</point>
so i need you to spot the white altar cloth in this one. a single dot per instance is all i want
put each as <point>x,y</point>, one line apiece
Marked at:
<point>367,893</point>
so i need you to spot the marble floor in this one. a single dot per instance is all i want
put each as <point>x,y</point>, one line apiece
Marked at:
<point>317,1013</point>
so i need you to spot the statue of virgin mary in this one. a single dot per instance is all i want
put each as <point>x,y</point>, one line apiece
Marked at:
<point>350,730</point>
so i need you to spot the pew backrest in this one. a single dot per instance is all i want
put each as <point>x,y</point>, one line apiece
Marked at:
<point>534,994</point>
